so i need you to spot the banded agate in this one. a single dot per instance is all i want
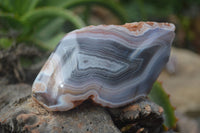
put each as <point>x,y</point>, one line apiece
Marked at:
<point>111,64</point>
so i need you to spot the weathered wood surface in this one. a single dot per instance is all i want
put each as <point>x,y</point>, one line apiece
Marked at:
<point>19,113</point>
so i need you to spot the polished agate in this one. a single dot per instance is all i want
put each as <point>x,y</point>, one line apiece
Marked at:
<point>111,64</point>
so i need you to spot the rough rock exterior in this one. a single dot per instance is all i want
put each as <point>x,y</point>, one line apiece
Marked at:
<point>19,113</point>
<point>23,115</point>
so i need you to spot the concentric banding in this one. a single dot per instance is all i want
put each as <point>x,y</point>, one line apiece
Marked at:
<point>113,65</point>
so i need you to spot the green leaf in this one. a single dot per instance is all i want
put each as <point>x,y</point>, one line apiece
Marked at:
<point>36,15</point>
<point>52,43</point>
<point>21,7</point>
<point>5,43</point>
<point>47,45</point>
<point>33,17</point>
<point>57,3</point>
<point>111,5</point>
<point>160,97</point>
<point>39,44</point>
<point>9,21</point>
<point>5,5</point>
<point>48,28</point>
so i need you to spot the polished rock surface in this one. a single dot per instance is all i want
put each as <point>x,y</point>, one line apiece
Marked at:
<point>111,64</point>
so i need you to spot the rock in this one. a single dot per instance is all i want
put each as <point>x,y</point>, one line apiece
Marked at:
<point>21,114</point>
<point>143,115</point>
<point>81,69</point>
<point>12,93</point>
<point>186,124</point>
<point>184,85</point>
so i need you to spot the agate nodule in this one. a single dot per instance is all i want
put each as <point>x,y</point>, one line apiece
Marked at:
<point>111,64</point>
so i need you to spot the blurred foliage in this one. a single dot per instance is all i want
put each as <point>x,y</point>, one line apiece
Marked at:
<point>185,14</point>
<point>139,10</point>
<point>159,96</point>
<point>44,22</point>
